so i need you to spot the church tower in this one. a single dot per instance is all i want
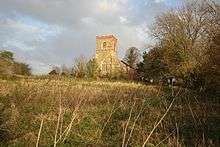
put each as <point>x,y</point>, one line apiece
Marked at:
<point>106,54</point>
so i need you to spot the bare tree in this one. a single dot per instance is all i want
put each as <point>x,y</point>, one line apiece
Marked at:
<point>56,70</point>
<point>185,35</point>
<point>65,70</point>
<point>132,57</point>
<point>79,69</point>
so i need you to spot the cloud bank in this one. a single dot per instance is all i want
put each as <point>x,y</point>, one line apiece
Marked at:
<point>54,32</point>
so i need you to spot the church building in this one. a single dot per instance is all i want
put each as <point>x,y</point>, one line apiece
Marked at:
<point>107,57</point>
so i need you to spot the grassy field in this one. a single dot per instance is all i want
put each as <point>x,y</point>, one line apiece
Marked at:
<point>72,112</point>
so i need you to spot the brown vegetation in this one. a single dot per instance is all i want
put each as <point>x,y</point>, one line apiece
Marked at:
<point>63,111</point>
<point>186,47</point>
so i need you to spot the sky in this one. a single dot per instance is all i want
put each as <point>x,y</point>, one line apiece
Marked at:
<point>47,33</point>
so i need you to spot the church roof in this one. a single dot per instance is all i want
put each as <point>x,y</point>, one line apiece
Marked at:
<point>126,64</point>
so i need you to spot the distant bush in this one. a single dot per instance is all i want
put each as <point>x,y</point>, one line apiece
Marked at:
<point>84,68</point>
<point>7,55</point>
<point>79,68</point>
<point>92,69</point>
<point>22,69</point>
<point>8,66</point>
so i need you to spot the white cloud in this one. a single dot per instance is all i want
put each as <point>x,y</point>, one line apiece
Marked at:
<point>123,20</point>
<point>24,34</point>
<point>109,5</point>
<point>56,31</point>
<point>18,44</point>
<point>88,21</point>
<point>159,1</point>
<point>143,32</point>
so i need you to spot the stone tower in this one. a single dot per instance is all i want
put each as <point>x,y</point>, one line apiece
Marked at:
<point>106,55</point>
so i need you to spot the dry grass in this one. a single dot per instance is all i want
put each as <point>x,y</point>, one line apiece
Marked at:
<point>86,112</point>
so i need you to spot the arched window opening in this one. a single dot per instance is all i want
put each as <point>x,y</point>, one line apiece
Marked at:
<point>106,67</point>
<point>104,45</point>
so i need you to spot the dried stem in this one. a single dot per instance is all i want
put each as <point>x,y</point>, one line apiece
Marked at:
<point>58,123</point>
<point>67,130</point>
<point>177,135</point>
<point>39,133</point>
<point>164,139</point>
<point>126,127</point>
<point>130,135</point>
<point>158,123</point>
<point>69,127</point>
<point>111,113</point>
<point>61,123</point>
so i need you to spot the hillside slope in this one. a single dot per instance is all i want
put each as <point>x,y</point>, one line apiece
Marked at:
<point>72,112</point>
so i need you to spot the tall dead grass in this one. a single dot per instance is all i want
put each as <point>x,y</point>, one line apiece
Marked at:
<point>63,111</point>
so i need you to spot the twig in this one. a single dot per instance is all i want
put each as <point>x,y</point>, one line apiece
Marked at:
<point>67,130</point>
<point>158,123</point>
<point>164,139</point>
<point>38,137</point>
<point>130,135</point>
<point>177,135</point>
<point>159,90</point>
<point>61,122</point>
<point>126,127</point>
<point>58,123</point>
<point>191,111</point>
<point>111,113</point>
<point>69,127</point>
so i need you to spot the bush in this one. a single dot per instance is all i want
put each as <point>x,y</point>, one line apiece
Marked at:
<point>92,70</point>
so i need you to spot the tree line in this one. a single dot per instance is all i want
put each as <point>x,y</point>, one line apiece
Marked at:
<point>8,66</point>
<point>187,46</point>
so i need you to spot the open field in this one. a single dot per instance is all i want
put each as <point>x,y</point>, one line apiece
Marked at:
<point>73,112</point>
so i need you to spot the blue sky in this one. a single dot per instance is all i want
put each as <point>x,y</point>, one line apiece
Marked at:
<point>54,32</point>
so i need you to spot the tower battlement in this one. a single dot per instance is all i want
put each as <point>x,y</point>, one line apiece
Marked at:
<point>106,37</point>
<point>106,43</point>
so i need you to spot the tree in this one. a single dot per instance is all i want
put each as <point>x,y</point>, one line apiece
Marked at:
<point>65,70</point>
<point>184,36</point>
<point>153,65</point>
<point>210,71</point>
<point>187,46</point>
<point>56,70</point>
<point>7,55</point>
<point>132,57</point>
<point>79,69</point>
<point>22,69</point>
<point>8,66</point>
<point>93,70</point>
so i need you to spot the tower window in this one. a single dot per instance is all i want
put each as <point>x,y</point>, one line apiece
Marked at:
<point>104,44</point>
